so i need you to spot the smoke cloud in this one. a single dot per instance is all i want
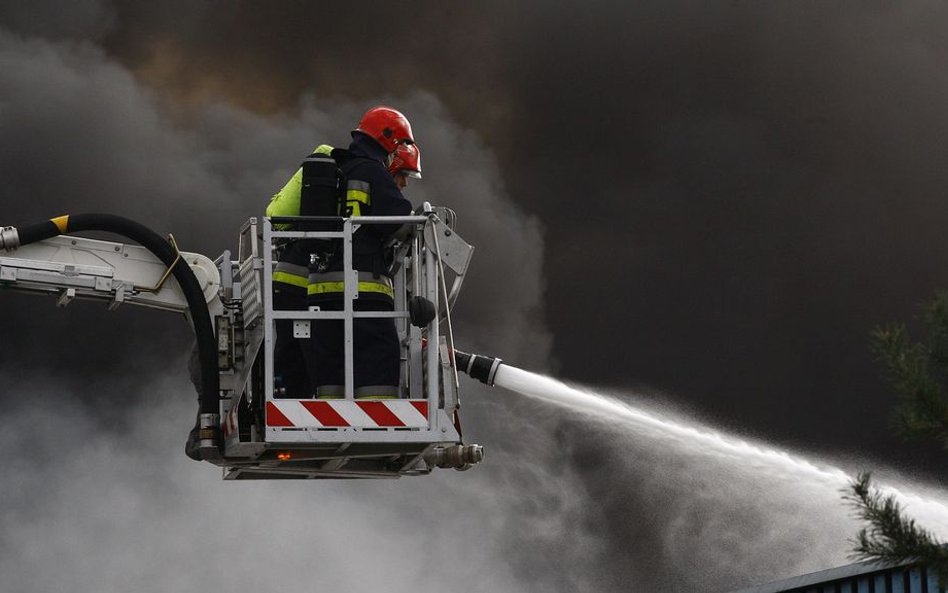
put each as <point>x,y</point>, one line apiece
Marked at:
<point>744,189</point>
<point>80,20</point>
<point>90,509</point>
<point>698,199</point>
<point>83,136</point>
<point>597,507</point>
<point>103,490</point>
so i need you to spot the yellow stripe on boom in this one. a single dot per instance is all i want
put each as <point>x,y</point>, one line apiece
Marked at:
<point>61,222</point>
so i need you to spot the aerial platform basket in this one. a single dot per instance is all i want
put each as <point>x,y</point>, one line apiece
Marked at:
<point>268,436</point>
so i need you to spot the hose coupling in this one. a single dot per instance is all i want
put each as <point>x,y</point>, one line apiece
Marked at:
<point>209,431</point>
<point>459,457</point>
<point>9,238</point>
<point>482,368</point>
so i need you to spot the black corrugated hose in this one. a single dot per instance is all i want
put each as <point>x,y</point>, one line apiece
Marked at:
<point>158,245</point>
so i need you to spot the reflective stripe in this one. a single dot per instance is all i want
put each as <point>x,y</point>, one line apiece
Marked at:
<point>291,279</point>
<point>295,269</point>
<point>292,274</point>
<point>340,287</point>
<point>363,187</point>
<point>357,194</point>
<point>376,392</point>
<point>315,277</point>
<point>332,282</point>
<point>327,276</point>
<point>330,392</point>
<point>367,392</point>
<point>376,397</point>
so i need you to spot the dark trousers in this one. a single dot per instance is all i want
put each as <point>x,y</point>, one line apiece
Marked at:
<point>293,367</point>
<point>375,350</point>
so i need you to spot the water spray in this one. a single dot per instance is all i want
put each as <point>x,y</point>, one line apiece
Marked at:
<point>492,371</point>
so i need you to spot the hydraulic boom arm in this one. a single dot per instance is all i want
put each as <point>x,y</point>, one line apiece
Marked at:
<point>76,267</point>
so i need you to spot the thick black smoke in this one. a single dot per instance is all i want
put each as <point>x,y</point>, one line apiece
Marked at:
<point>730,196</point>
<point>733,194</point>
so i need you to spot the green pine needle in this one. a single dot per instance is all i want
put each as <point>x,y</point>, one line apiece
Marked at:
<point>890,536</point>
<point>917,372</point>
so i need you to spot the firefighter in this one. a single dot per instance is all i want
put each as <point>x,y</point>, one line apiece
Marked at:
<point>294,368</point>
<point>371,190</point>
<point>383,136</point>
<point>405,163</point>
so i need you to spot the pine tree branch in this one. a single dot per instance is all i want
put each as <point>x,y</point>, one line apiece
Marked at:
<point>891,537</point>
<point>918,373</point>
<point>923,411</point>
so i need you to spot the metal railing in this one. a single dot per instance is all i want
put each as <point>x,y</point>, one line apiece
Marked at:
<point>417,272</point>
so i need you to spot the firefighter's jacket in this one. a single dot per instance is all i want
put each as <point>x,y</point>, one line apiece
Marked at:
<point>370,191</point>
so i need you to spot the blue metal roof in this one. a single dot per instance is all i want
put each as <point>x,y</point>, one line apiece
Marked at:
<point>862,577</point>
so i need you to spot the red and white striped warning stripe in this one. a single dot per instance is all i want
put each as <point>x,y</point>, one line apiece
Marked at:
<point>397,413</point>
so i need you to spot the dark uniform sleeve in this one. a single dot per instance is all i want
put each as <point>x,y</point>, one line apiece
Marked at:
<point>387,199</point>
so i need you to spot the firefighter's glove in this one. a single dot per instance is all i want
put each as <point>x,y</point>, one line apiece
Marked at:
<point>421,311</point>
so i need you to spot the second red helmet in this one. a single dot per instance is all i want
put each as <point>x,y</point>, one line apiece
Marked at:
<point>406,160</point>
<point>387,126</point>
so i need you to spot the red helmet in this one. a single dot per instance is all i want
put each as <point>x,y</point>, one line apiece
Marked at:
<point>387,126</point>
<point>406,160</point>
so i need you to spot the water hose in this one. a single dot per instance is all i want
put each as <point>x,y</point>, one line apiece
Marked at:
<point>204,333</point>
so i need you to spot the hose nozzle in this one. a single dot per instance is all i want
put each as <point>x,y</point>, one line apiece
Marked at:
<point>482,368</point>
